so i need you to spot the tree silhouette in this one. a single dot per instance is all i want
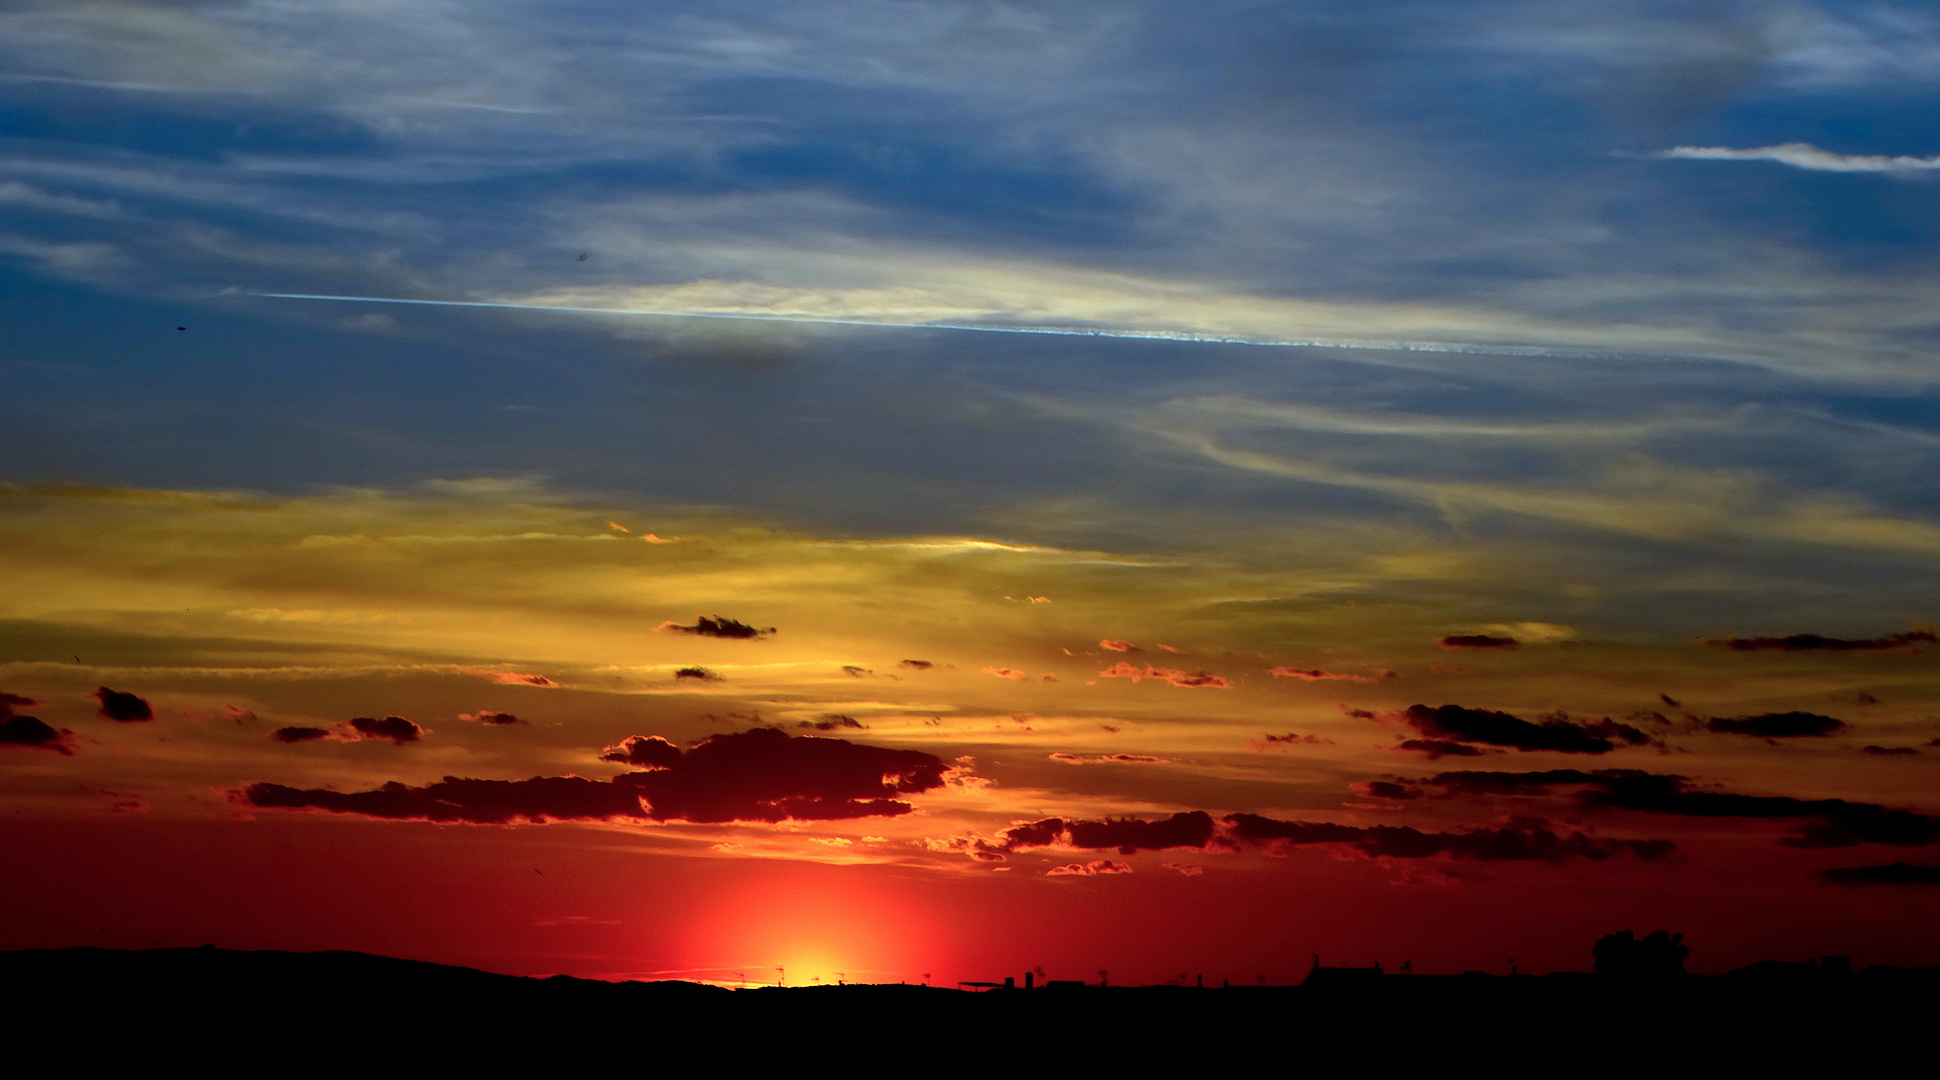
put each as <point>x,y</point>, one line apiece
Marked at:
<point>1623,954</point>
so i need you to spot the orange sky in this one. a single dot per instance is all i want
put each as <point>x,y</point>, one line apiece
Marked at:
<point>976,688</point>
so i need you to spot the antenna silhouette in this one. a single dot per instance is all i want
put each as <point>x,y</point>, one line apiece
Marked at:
<point>1103,977</point>
<point>926,978</point>
<point>781,976</point>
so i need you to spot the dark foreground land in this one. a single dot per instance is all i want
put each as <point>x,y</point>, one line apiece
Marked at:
<point>224,1008</point>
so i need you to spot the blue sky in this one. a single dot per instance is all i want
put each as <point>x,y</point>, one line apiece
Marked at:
<point>1466,175</point>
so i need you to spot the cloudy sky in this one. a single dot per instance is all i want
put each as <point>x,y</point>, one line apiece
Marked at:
<point>889,488</point>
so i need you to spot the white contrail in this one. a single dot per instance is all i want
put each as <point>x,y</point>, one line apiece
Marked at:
<point>1070,331</point>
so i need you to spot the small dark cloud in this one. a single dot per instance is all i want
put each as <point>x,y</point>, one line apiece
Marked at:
<point>395,728</point>
<point>1787,725</point>
<point>1478,641</point>
<point>700,673</point>
<point>1193,829</point>
<point>490,716</point>
<point>1387,789</point>
<point>1890,751</point>
<point>1817,643</point>
<point>31,732</point>
<point>10,702</point>
<point>855,672</point>
<point>715,626</point>
<point>125,708</point>
<point>917,665</point>
<point>1897,873</point>
<point>833,722</point>
<point>1526,840</point>
<point>758,775</point>
<point>1454,723</point>
<point>299,734</point>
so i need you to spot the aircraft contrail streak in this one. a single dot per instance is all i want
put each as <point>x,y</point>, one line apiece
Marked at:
<point>1067,331</point>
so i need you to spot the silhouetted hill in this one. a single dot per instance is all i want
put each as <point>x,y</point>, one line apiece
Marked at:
<point>218,1004</point>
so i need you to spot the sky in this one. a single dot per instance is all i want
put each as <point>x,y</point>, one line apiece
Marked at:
<point>887,490</point>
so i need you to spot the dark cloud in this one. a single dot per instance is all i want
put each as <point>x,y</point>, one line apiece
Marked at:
<point>700,673</point>
<point>1898,873</point>
<point>395,728</point>
<point>1828,823</point>
<point>480,802</point>
<point>833,722</point>
<point>1437,749</point>
<point>855,672</point>
<point>1193,829</point>
<point>490,716</point>
<point>9,702</point>
<point>125,708</point>
<point>715,626</point>
<point>299,734</point>
<point>31,732</point>
<point>1526,840</point>
<point>917,665</point>
<point>1520,783</point>
<point>1453,723</point>
<point>1478,641</point>
<point>1816,643</point>
<point>758,775</point>
<point>1671,701</point>
<point>1788,725</point>
<point>1889,751</point>
<point>767,775</point>
<point>644,751</point>
<point>1387,789</point>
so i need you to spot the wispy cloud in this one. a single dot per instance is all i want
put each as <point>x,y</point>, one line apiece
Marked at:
<point>1806,156</point>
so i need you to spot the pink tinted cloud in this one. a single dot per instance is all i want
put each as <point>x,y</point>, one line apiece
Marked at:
<point>1317,675</point>
<point>490,716</point>
<point>1089,869</point>
<point>1108,759</point>
<point>1006,673</point>
<point>1127,670</point>
<point>1269,743</point>
<point>1116,645</point>
<point>509,678</point>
